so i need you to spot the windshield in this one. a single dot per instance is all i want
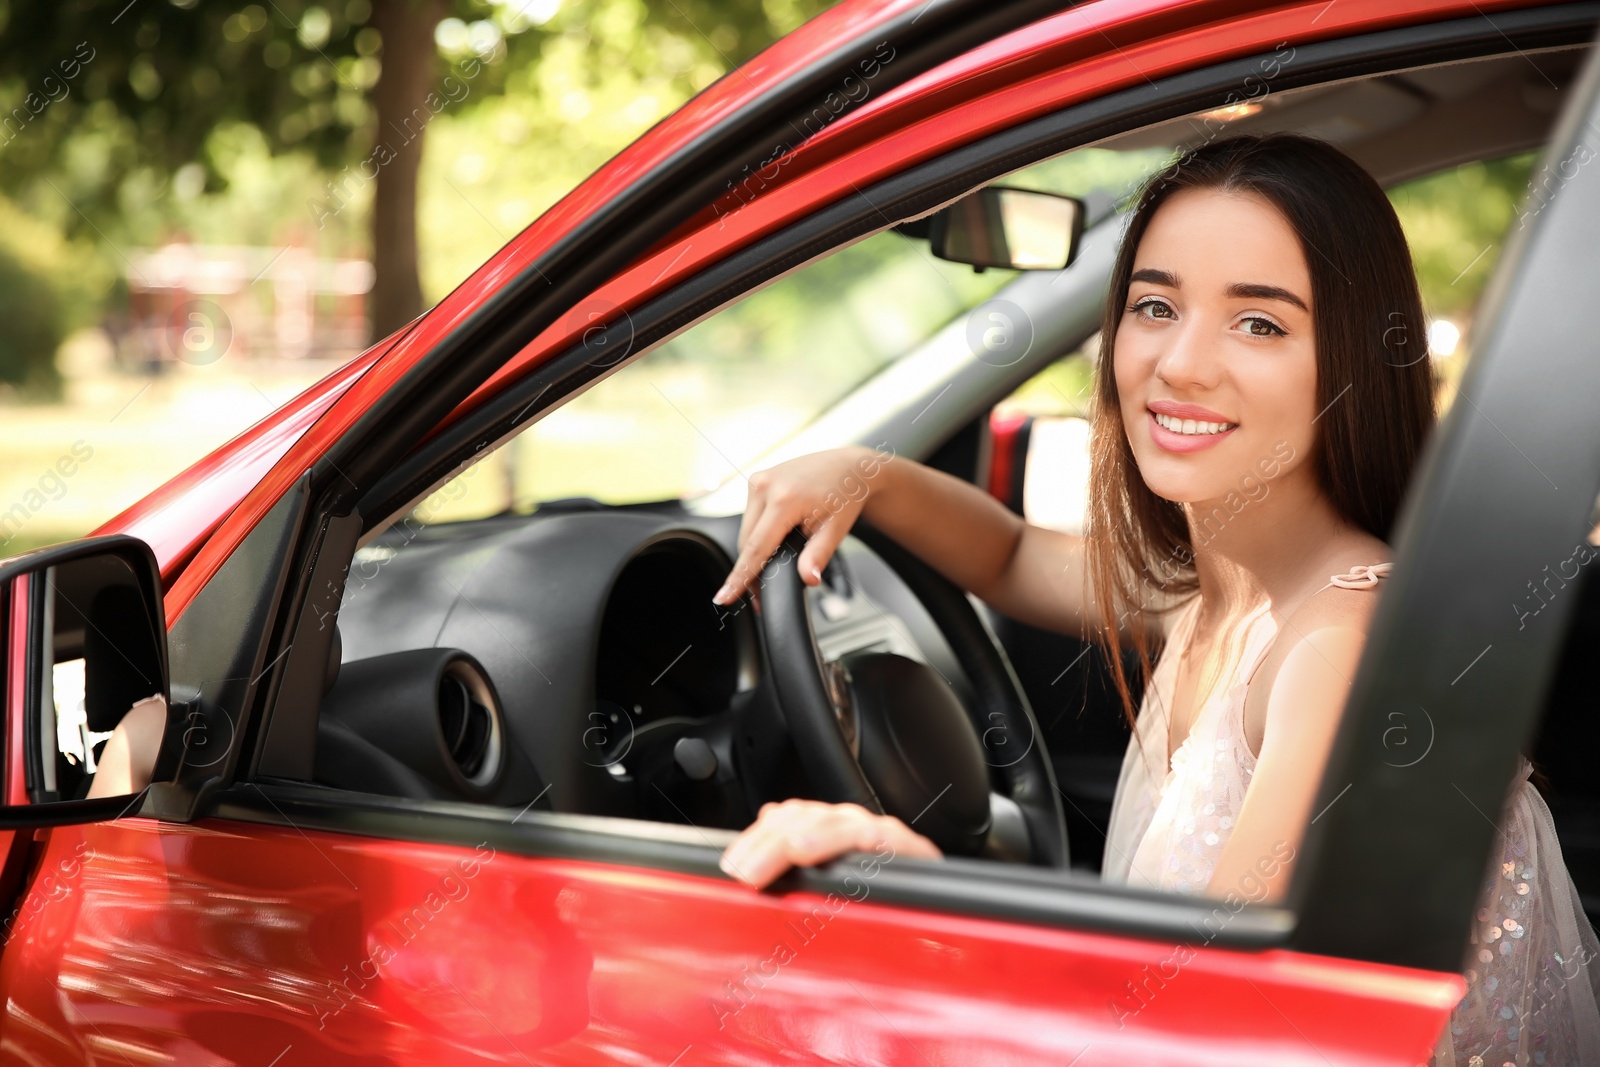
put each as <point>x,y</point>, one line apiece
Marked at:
<point>707,405</point>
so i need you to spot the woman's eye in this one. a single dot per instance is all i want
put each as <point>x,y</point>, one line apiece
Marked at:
<point>1152,308</point>
<point>1258,327</point>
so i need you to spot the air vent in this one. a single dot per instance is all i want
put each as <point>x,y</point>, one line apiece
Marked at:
<point>469,722</point>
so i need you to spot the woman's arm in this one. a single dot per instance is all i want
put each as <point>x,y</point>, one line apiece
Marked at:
<point>129,758</point>
<point>1030,573</point>
<point>1035,575</point>
<point>1305,702</point>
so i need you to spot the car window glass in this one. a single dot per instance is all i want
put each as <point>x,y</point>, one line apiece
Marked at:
<point>1457,222</point>
<point>703,406</point>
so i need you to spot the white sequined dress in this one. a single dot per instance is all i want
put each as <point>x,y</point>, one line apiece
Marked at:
<point>1533,972</point>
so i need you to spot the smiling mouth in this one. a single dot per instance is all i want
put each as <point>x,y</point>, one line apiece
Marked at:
<point>1192,427</point>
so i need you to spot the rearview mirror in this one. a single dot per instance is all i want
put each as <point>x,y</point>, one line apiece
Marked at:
<point>1017,229</point>
<point>89,632</point>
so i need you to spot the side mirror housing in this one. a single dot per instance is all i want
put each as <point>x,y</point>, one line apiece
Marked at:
<point>1016,229</point>
<point>88,630</point>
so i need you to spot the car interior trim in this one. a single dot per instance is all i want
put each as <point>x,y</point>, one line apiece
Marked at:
<point>217,651</point>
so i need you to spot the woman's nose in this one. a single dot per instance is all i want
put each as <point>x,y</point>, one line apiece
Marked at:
<point>1190,358</point>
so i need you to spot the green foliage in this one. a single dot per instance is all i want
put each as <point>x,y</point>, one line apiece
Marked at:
<point>602,72</point>
<point>48,287</point>
<point>153,80</point>
<point>127,124</point>
<point>33,331</point>
<point>135,93</point>
<point>264,203</point>
<point>1456,222</point>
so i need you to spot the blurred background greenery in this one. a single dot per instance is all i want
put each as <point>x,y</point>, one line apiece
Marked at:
<point>374,153</point>
<point>416,135</point>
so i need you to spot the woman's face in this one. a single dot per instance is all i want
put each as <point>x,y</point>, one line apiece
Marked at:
<point>1214,357</point>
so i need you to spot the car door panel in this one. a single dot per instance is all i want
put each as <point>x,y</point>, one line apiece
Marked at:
<point>235,942</point>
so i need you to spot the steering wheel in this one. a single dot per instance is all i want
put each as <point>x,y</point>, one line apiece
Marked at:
<point>889,733</point>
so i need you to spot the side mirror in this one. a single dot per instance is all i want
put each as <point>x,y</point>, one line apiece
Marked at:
<point>88,630</point>
<point>1017,229</point>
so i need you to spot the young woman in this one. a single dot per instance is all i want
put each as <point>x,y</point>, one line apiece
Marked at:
<point>1261,401</point>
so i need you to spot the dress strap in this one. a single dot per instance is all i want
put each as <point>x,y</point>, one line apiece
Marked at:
<point>1261,657</point>
<point>1362,576</point>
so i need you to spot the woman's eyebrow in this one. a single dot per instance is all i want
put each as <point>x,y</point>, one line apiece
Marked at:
<point>1256,291</point>
<point>1155,277</point>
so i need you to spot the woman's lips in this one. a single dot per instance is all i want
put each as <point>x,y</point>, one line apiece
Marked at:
<point>1169,441</point>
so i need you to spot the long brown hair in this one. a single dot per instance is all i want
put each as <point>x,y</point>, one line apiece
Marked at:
<point>1374,383</point>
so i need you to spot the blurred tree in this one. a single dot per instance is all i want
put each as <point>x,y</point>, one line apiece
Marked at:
<point>32,314</point>
<point>1457,222</point>
<point>104,98</point>
<point>47,289</point>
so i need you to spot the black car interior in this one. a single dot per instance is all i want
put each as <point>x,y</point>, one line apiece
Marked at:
<point>682,718</point>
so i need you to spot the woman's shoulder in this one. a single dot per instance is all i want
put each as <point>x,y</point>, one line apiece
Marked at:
<point>1324,633</point>
<point>1344,597</point>
<point>1333,607</point>
<point>1342,587</point>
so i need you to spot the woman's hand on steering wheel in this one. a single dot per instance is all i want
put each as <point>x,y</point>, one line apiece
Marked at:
<point>804,833</point>
<point>823,493</point>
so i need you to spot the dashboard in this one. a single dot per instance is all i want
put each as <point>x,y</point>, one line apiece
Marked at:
<point>573,658</point>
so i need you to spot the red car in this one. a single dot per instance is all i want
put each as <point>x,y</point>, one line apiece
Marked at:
<point>454,792</point>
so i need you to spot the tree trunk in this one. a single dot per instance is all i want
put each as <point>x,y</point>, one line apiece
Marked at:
<point>408,75</point>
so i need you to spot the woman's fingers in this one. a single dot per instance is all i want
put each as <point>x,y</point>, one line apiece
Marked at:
<point>821,546</point>
<point>752,555</point>
<point>762,539</point>
<point>902,839</point>
<point>767,848</point>
<point>803,833</point>
<point>758,547</point>
<point>820,493</point>
<point>755,504</point>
